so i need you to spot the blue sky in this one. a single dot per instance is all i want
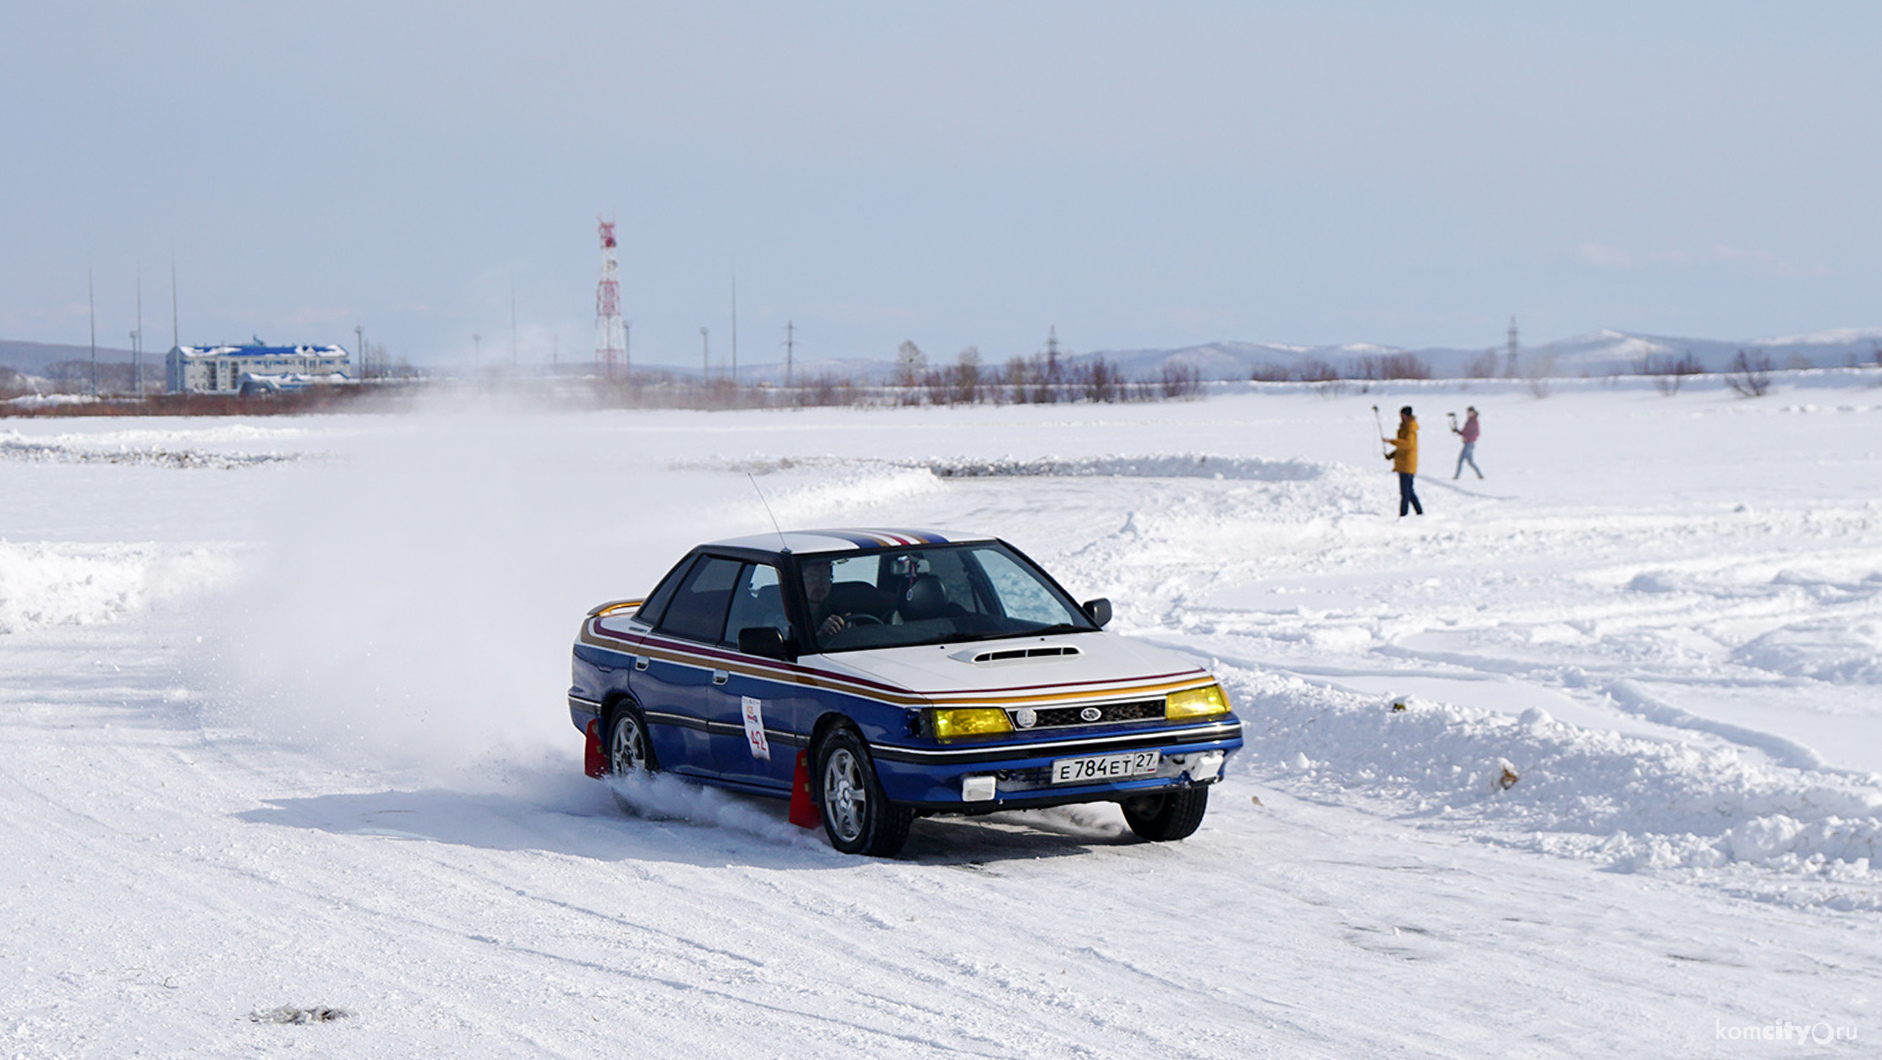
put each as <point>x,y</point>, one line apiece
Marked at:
<point>958,174</point>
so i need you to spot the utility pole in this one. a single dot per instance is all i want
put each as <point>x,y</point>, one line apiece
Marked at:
<point>1052,361</point>
<point>91,301</point>
<point>1513,372</point>
<point>734,327</point>
<point>790,348</point>
<point>705,355</point>
<point>137,341</point>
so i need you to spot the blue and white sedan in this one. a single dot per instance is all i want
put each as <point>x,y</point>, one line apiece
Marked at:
<point>920,672</point>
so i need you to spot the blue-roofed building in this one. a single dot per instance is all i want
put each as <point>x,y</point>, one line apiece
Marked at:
<point>252,367</point>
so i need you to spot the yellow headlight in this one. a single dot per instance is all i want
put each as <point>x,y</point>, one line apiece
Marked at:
<point>1196,703</point>
<point>950,722</point>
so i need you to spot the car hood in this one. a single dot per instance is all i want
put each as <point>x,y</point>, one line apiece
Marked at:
<point>1017,669</point>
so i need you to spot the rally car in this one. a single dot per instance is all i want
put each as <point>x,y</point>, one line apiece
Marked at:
<point>890,674</point>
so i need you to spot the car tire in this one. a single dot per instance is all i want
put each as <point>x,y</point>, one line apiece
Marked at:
<point>628,750</point>
<point>857,817</point>
<point>1171,815</point>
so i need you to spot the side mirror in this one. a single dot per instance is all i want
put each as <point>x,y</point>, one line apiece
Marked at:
<point>763,641</point>
<point>1098,611</point>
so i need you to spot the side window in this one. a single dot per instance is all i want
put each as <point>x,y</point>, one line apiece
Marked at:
<point>697,611</point>
<point>650,611</point>
<point>757,601</point>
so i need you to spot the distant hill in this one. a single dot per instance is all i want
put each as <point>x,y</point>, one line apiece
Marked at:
<point>33,358</point>
<point>1598,353</point>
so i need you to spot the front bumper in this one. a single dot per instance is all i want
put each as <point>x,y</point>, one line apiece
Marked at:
<point>940,778</point>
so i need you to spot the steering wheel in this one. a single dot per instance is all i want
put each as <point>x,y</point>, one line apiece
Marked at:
<point>862,620</point>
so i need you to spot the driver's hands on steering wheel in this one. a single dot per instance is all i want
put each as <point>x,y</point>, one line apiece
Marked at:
<point>836,623</point>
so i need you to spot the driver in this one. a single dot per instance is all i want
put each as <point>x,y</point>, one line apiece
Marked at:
<point>817,581</point>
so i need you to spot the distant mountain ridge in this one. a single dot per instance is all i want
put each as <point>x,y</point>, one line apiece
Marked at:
<point>1599,353</point>
<point>1606,352</point>
<point>33,358</point>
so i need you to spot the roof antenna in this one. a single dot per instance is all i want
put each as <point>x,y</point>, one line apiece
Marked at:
<point>784,547</point>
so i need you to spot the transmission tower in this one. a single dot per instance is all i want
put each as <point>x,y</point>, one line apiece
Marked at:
<point>1513,372</point>
<point>609,345</point>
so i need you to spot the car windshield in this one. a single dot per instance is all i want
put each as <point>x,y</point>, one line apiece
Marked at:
<point>931,595</point>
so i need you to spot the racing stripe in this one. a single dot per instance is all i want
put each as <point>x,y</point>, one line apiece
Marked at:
<point>682,653</point>
<point>873,538</point>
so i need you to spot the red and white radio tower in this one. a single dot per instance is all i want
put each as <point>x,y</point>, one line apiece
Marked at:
<point>609,350</point>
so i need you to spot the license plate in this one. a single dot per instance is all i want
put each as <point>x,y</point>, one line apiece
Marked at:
<point>1105,767</point>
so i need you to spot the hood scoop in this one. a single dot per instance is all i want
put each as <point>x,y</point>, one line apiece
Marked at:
<point>1051,651</point>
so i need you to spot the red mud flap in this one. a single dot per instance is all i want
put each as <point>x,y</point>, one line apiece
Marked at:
<point>594,762</point>
<point>803,811</point>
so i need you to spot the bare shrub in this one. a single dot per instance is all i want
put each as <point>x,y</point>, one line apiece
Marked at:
<point>1540,372</point>
<point>964,377</point>
<point>1268,373</point>
<point>1315,370</point>
<point>1097,380</point>
<point>825,389</point>
<point>1391,366</point>
<point>12,383</point>
<point>1668,372</point>
<point>1750,374</point>
<point>1483,366</point>
<point>1180,381</point>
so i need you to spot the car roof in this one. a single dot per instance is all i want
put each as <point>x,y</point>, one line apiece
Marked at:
<point>845,540</point>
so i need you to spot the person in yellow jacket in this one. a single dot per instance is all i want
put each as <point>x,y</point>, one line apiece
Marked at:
<point>1404,458</point>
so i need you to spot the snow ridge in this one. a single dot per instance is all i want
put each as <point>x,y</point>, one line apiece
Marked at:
<point>1629,803</point>
<point>80,585</point>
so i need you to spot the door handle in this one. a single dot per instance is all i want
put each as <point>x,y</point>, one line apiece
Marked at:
<point>719,677</point>
<point>640,662</point>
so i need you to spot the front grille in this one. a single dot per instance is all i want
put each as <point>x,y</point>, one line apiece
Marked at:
<point>1060,717</point>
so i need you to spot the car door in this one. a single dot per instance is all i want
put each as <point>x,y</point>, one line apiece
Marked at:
<point>682,656</point>
<point>754,714</point>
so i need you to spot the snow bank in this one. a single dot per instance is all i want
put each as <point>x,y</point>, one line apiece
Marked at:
<point>1162,465</point>
<point>126,448</point>
<point>1630,803</point>
<point>1155,465</point>
<point>78,585</point>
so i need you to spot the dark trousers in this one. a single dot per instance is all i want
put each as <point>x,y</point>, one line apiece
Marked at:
<point>1407,500</point>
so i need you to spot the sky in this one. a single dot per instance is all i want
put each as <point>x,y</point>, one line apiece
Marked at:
<point>957,175</point>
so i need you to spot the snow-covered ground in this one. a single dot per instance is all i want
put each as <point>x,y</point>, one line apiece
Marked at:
<point>284,731</point>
